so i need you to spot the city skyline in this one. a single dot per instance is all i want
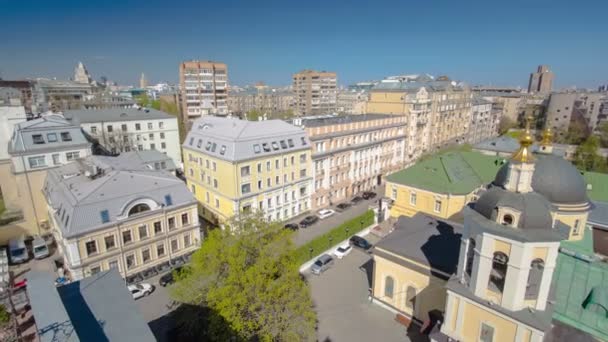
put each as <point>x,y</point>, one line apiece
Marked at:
<point>475,43</point>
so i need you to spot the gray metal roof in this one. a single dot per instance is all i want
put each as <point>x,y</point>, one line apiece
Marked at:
<point>50,125</point>
<point>426,240</point>
<point>416,85</point>
<point>236,140</point>
<point>150,158</point>
<point>115,114</point>
<point>599,214</point>
<point>506,144</point>
<point>96,308</point>
<point>78,198</point>
<point>325,120</point>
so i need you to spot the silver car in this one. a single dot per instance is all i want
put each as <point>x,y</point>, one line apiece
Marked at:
<point>323,263</point>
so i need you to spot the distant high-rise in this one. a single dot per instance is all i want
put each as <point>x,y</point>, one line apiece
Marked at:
<point>81,74</point>
<point>203,87</point>
<point>541,81</point>
<point>315,92</point>
<point>143,82</point>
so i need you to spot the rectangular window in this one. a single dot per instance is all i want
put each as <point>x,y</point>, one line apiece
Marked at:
<point>69,156</point>
<point>303,173</point>
<point>105,216</point>
<point>215,183</point>
<point>126,237</point>
<point>52,137</point>
<point>65,136</point>
<point>174,245</point>
<point>145,255</point>
<point>153,146</point>
<point>91,247</point>
<point>143,231</point>
<point>150,125</point>
<point>171,222</point>
<point>245,188</point>
<point>56,159</point>
<point>259,167</point>
<point>137,127</point>
<point>293,160</point>
<point>277,164</point>
<point>168,200</point>
<point>394,194</point>
<point>109,128</point>
<point>130,261</point>
<point>437,206</point>
<point>186,240</point>
<point>162,135</point>
<point>268,166</point>
<point>160,250</point>
<point>161,125</point>
<point>302,158</point>
<point>217,203</point>
<point>184,219</point>
<point>37,161</point>
<point>245,171</point>
<point>413,198</point>
<point>157,228</point>
<point>268,182</point>
<point>110,243</point>
<point>214,166</point>
<point>38,139</point>
<point>486,333</point>
<point>123,127</point>
<point>151,136</point>
<point>163,145</point>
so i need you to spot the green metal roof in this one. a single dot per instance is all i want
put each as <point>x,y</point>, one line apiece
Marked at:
<point>454,172</point>
<point>599,185</point>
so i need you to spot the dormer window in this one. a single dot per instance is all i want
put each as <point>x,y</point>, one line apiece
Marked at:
<point>507,220</point>
<point>51,137</point>
<point>65,136</point>
<point>38,139</point>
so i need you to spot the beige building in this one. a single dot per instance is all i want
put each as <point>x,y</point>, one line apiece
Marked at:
<point>560,109</point>
<point>204,88</point>
<point>353,153</point>
<point>315,92</point>
<point>36,147</point>
<point>114,212</point>
<point>264,99</point>
<point>541,81</point>
<point>352,101</point>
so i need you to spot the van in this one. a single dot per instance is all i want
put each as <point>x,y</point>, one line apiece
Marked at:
<point>322,264</point>
<point>39,248</point>
<point>17,252</point>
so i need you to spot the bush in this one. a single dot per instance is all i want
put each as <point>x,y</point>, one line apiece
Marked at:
<point>5,317</point>
<point>321,243</point>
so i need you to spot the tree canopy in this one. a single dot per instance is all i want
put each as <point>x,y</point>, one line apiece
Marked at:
<point>246,278</point>
<point>587,157</point>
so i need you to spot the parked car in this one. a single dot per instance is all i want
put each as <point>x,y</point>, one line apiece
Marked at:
<point>322,264</point>
<point>292,226</point>
<point>360,242</point>
<point>308,221</point>
<point>368,195</point>
<point>39,248</point>
<point>17,251</point>
<point>343,251</point>
<point>356,199</point>
<point>325,213</point>
<point>167,279</point>
<point>140,290</point>
<point>343,206</point>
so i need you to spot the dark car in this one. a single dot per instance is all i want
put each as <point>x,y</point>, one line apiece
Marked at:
<point>292,226</point>
<point>356,199</point>
<point>343,206</point>
<point>308,221</point>
<point>360,242</point>
<point>368,194</point>
<point>167,279</point>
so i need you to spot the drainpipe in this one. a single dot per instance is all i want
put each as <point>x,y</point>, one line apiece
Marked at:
<point>29,187</point>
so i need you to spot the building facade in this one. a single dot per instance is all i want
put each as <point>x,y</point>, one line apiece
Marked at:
<point>261,98</point>
<point>114,212</point>
<point>559,111</point>
<point>57,95</point>
<point>315,92</point>
<point>27,89</point>
<point>129,129</point>
<point>204,88</point>
<point>541,81</point>
<point>351,101</point>
<point>235,166</point>
<point>353,153</point>
<point>36,147</point>
<point>484,121</point>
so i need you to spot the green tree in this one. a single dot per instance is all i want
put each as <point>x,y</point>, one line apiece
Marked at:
<point>254,114</point>
<point>246,275</point>
<point>603,129</point>
<point>587,157</point>
<point>577,132</point>
<point>5,316</point>
<point>505,125</point>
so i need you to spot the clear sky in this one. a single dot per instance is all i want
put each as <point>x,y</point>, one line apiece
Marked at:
<point>480,42</point>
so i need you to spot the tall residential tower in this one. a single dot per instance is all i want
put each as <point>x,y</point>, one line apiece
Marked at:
<point>541,81</point>
<point>315,92</point>
<point>204,88</point>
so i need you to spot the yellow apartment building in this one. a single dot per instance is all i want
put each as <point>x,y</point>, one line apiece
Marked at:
<point>115,212</point>
<point>235,166</point>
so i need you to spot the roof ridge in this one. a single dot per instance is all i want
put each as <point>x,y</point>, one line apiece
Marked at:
<point>98,186</point>
<point>460,153</point>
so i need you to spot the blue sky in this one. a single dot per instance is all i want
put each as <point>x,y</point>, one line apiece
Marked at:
<point>480,42</point>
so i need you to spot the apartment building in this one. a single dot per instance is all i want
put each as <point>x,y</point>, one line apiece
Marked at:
<point>351,101</point>
<point>114,212</point>
<point>26,88</point>
<point>484,121</point>
<point>60,95</point>
<point>315,92</point>
<point>439,111</point>
<point>36,147</point>
<point>234,166</point>
<point>541,81</point>
<point>559,111</point>
<point>129,129</point>
<point>265,99</point>
<point>353,153</point>
<point>204,88</point>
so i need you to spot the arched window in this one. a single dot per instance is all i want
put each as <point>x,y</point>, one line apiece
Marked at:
<point>470,257</point>
<point>410,297</point>
<point>139,208</point>
<point>534,278</point>
<point>507,220</point>
<point>499,271</point>
<point>389,285</point>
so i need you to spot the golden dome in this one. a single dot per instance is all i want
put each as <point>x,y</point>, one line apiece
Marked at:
<point>524,153</point>
<point>547,137</point>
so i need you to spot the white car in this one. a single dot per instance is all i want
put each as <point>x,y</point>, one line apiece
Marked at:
<point>343,251</point>
<point>325,213</point>
<point>140,290</point>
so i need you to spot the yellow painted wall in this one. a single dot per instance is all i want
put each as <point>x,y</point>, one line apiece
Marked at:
<point>504,330</point>
<point>502,246</point>
<point>425,202</point>
<point>540,253</point>
<point>431,294</point>
<point>569,218</point>
<point>387,103</point>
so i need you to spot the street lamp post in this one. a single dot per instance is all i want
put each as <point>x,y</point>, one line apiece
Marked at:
<point>310,251</point>
<point>330,240</point>
<point>361,224</point>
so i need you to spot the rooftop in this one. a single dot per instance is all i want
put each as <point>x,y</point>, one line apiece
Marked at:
<point>44,133</point>
<point>325,120</point>
<point>94,309</point>
<point>115,114</point>
<point>430,85</point>
<point>235,140</point>
<point>597,185</point>
<point>599,214</point>
<point>425,240</point>
<point>80,192</point>
<point>455,172</point>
